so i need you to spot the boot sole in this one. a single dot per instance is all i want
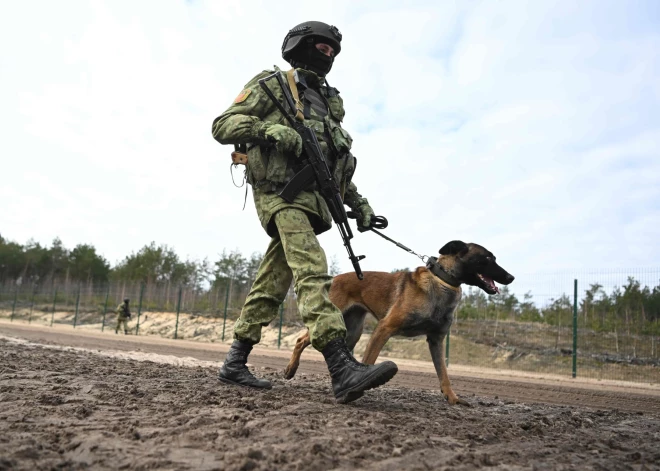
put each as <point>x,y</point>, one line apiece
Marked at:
<point>234,383</point>
<point>356,392</point>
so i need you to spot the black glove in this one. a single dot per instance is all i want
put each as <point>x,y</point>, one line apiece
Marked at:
<point>375,222</point>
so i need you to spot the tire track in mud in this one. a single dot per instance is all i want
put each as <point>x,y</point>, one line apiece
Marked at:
<point>464,386</point>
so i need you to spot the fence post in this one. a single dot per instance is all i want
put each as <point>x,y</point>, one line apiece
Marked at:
<point>52,315</point>
<point>224,322</point>
<point>137,328</point>
<point>178,309</point>
<point>105,307</point>
<point>75,317</point>
<point>34,290</point>
<point>447,348</point>
<point>279,335</point>
<point>575,293</point>
<point>13,306</point>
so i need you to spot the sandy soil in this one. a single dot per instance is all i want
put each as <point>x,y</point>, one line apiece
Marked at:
<point>162,324</point>
<point>463,351</point>
<point>156,405</point>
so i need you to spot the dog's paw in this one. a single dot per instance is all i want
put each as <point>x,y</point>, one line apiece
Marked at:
<point>453,399</point>
<point>462,402</point>
<point>290,371</point>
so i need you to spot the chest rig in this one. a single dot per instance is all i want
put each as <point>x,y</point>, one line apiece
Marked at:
<point>321,109</point>
<point>314,106</point>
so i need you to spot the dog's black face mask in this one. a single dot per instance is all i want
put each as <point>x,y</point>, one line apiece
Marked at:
<point>476,266</point>
<point>307,57</point>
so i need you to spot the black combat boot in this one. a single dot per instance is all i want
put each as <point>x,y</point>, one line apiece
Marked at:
<point>234,371</point>
<point>350,378</point>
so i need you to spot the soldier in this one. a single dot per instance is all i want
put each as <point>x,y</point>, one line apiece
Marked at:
<point>294,252</point>
<point>123,315</point>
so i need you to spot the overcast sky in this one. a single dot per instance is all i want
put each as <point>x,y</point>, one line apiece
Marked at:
<point>531,128</point>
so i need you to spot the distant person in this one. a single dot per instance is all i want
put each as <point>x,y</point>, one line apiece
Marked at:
<point>123,316</point>
<point>294,253</point>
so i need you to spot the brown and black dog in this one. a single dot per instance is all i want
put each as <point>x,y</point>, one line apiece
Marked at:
<point>415,303</point>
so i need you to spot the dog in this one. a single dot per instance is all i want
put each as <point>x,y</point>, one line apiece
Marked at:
<point>410,304</point>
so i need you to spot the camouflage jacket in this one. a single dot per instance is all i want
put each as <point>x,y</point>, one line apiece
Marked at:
<point>123,311</point>
<point>269,170</point>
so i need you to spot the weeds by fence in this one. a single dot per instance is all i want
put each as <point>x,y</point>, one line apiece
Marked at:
<point>612,318</point>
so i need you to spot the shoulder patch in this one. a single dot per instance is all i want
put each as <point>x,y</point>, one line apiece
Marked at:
<point>243,95</point>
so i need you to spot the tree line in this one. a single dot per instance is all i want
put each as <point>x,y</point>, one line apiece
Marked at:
<point>631,305</point>
<point>32,262</point>
<point>152,264</point>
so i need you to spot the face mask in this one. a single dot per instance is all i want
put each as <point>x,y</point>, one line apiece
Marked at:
<point>319,62</point>
<point>312,59</point>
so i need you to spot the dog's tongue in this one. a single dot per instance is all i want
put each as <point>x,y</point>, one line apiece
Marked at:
<point>491,283</point>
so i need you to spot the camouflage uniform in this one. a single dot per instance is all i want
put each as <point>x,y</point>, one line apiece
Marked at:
<point>294,252</point>
<point>122,317</point>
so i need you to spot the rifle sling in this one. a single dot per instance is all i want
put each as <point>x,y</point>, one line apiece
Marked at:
<point>294,91</point>
<point>300,181</point>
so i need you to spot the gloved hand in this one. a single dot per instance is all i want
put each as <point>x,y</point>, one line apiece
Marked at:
<point>286,139</point>
<point>364,221</point>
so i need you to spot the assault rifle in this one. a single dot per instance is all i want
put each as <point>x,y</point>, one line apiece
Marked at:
<point>315,170</point>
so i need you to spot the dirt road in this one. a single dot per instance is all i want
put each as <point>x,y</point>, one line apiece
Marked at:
<point>147,403</point>
<point>412,374</point>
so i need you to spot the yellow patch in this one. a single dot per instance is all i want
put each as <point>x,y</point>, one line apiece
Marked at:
<point>243,96</point>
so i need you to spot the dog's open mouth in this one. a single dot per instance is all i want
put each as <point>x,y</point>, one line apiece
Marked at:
<point>489,284</point>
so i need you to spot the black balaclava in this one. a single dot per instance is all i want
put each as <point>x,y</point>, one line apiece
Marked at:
<point>306,56</point>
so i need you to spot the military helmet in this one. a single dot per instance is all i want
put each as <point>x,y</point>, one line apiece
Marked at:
<point>309,29</point>
<point>126,300</point>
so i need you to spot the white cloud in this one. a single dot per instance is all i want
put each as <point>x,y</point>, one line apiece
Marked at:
<point>529,128</point>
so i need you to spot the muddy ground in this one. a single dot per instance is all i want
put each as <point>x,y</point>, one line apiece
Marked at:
<point>62,408</point>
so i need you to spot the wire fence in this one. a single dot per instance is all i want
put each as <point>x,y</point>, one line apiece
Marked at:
<point>602,325</point>
<point>157,309</point>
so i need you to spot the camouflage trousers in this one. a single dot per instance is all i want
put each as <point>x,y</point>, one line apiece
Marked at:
<point>121,319</point>
<point>294,254</point>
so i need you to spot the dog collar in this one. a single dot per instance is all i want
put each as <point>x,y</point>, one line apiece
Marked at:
<point>434,267</point>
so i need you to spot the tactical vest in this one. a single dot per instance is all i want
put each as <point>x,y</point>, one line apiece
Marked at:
<point>323,111</point>
<point>123,310</point>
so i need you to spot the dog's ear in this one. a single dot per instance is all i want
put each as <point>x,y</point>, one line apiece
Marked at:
<point>455,247</point>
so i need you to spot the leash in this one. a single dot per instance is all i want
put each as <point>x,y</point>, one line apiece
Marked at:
<point>380,222</point>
